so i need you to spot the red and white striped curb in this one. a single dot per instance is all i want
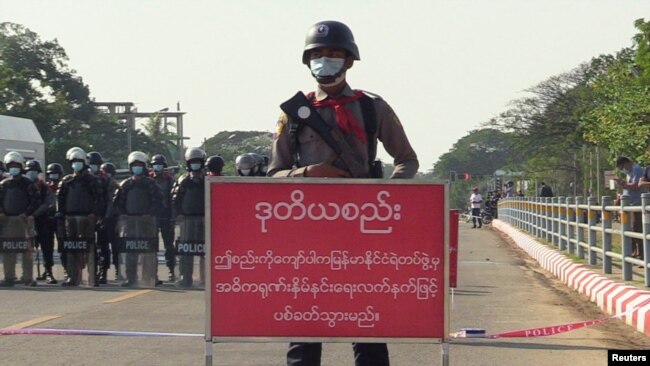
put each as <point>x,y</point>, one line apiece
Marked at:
<point>611,297</point>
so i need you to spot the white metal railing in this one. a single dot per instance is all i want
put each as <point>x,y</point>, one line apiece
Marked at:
<point>572,225</point>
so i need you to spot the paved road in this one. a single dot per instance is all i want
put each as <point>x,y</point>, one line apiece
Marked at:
<point>499,289</point>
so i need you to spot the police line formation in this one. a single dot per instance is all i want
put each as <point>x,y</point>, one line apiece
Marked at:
<point>89,209</point>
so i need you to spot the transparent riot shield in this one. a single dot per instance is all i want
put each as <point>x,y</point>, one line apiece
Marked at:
<point>78,248</point>
<point>138,239</point>
<point>190,246</point>
<point>17,238</point>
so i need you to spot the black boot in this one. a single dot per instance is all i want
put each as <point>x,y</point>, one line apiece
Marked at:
<point>172,276</point>
<point>49,278</point>
<point>103,276</point>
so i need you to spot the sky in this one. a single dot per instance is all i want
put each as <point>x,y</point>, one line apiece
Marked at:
<point>445,67</point>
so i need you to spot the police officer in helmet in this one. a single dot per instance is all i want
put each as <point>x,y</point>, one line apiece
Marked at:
<point>53,175</point>
<point>215,165</point>
<point>79,194</point>
<point>19,197</point>
<point>363,118</point>
<point>44,234</point>
<point>165,183</point>
<point>136,196</point>
<point>188,202</point>
<point>95,161</point>
<point>246,165</point>
<point>110,221</point>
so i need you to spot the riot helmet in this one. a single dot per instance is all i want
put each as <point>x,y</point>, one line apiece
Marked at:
<point>14,162</point>
<point>54,171</point>
<point>95,160</point>
<point>137,162</point>
<point>215,164</point>
<point>33,165</point>
<point>245,165</point>
<point>76,153</point>
<point>108,169</point>
<point>195,159</point>
<point>158,163</point>
<point>329,33</point>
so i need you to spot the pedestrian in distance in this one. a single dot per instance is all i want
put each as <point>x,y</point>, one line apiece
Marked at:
<point>475,200</point>
<point>631,187</point>
<point>545,191</point>
<point>303,148</point>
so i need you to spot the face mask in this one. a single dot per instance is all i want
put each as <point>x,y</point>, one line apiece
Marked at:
<point>54,176</point>
<point>244,172</point>
<point>137,170</point>
<point>326,67</point>
<point>77,166</point>
<point>157,168</point>
<point>94,168</point>
<point>195,166</point>
<point>32,175</point>
<point>15,171</point>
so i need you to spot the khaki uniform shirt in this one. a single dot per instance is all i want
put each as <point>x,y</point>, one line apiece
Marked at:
<point>312,149</point>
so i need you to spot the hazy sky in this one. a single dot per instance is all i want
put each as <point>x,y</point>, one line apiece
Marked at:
<point>444,66</point>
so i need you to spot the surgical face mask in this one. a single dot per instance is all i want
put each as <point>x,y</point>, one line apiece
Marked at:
<point>195,166</point>
<point>32,175</point>
<point>326,67</point>
<point>15,171</point>
<point>137,170</point>
<point>54,176</point>
<point>94,168</point>
<point>157,167</point>
<point>244,172</point>
<point>77,166</point>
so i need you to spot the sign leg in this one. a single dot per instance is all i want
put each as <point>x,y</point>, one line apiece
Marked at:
<point>208,353</point>
<point>444,348</point>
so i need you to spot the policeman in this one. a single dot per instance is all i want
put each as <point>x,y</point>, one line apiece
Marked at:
<point>136,196</point>
<point>246,165</point>
<point>165,183</point>
<point>215,165</point>
<point>363,118</point>
<point>79,194</point>
<point>18,197</point>
<point>104,229</point>
<point>53,175</point>
<point>188,201</point>
<point>108,169</point>
<point>44,232</point>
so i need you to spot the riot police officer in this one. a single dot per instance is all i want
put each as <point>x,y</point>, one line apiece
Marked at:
<point>104,229</point>
<point>165,183</point>
<point>19,197</point>
<point>80,194</point>
<point>53,175</point>
<point>246,165</point>
<point>215,165</point>
<point>188,203</point>
<point>362,118</point>
<point>108,170</point>
<point>136,196</point>
<point>44,237</point>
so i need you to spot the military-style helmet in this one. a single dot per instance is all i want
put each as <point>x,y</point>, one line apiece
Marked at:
<point>108,168</point>
<point>329,33</point>
<point>159,159</point>
<point>137,156</point>
<point>14,157</point>
<point>215,163</point>
<point>194,153</point>
<point>76,153</point>
<point>245,165</point>
<point>33,165</point>
<point>95,158</point>
<point>54,168</point>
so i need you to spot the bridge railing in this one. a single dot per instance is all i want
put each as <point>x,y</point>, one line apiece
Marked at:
<point>584,228</point>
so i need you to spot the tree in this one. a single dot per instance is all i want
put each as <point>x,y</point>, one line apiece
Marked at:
<point>165,140</point>
<point>230,144</point>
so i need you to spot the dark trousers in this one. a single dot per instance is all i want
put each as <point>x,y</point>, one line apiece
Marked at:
<point>45,228</point>
<point>476,215</point>
<point>105,237</point>
<point>365,354</point>
<point>166,228</point>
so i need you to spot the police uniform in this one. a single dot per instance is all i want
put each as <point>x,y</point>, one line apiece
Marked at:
<point>18,196</point>
<point>294,149</point>
<point>165,183</point>
<point>106,232</point>
<point>312,149</point>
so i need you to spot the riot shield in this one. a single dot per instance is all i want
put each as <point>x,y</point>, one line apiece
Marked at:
<point>17,238</point>
<point>137,237</point>
<point>190,246</point>
<point>78,246</point>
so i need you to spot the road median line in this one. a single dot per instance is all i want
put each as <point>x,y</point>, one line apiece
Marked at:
<point>32,322</point>
<point>128,296</point>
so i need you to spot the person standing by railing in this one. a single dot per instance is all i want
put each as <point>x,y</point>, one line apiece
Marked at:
<point>476,199</point>
<point>631,187</point>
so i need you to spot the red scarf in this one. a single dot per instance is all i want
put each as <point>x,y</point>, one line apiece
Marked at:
<point>344,118</point>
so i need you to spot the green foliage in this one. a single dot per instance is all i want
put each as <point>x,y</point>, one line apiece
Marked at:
<point>230,144</point>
